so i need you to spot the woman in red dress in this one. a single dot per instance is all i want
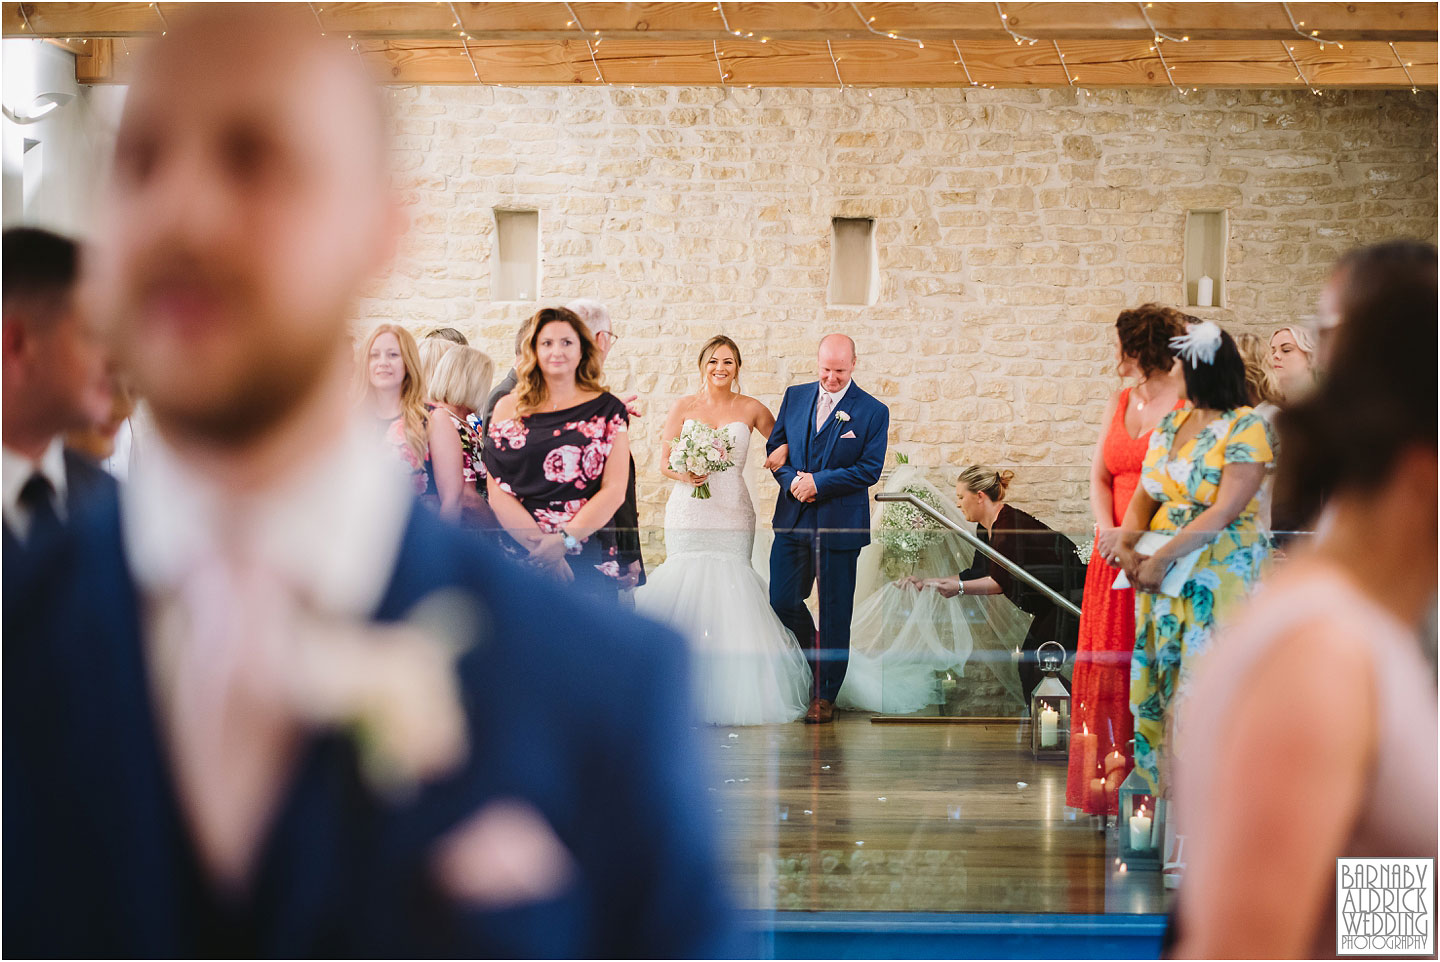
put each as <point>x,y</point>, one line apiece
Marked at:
<point>1100,696</point>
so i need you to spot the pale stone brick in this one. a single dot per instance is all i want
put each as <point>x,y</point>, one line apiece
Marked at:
<point>1011,225</point>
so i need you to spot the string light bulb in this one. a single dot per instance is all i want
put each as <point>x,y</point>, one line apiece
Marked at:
<point>886,33</point>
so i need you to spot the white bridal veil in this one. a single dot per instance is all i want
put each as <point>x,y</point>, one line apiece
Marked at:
<point>912,649</point>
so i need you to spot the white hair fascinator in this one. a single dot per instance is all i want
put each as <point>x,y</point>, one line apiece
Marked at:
<point>1198,344</point>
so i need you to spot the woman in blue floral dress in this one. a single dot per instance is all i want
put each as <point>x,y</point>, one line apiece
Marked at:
<point>1199,487</point>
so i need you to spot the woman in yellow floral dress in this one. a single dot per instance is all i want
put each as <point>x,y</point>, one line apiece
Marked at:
<point>1199,486</point>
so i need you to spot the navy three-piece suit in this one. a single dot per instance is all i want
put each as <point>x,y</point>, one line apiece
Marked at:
<point>579,711</point>
<point>821,540</point>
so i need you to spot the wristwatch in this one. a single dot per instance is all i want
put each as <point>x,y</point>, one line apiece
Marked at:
<point>573,545</point>
<point>960,582</point>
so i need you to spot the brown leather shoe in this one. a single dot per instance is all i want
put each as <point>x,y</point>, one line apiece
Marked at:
<point>821,712</point>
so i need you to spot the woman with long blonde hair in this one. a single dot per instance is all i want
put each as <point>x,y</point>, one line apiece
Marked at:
<point>558,455</point>
<point>391,387</point>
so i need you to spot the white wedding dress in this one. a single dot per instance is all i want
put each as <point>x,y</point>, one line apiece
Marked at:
<point>747,666</point>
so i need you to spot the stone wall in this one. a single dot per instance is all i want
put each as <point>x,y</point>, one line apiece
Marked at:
<point>1011,227</point>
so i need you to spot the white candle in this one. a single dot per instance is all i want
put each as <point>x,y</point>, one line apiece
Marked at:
<point>1140,832</point>
<point>1049,727</point>
<point>1205,293</point>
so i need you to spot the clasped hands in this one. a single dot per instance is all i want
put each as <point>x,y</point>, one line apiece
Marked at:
<point>547,552</point>
<point>1144,571</point>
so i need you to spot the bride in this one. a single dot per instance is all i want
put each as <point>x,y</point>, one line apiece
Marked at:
<point>748,668</point>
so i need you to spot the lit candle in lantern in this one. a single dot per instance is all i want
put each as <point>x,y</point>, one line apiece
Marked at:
<point>1049,727</point>
<point>1140,831</point>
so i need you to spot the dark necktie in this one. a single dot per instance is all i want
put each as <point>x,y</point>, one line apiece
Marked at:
<point>38,498</point>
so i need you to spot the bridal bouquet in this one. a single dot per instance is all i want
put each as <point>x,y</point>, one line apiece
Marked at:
<point>906,531</point>
<point>701,449</point>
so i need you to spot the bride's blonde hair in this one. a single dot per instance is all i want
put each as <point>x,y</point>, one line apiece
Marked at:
<point>706,352</point>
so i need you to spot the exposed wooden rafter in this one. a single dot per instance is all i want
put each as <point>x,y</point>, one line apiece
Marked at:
<point>785,44</point>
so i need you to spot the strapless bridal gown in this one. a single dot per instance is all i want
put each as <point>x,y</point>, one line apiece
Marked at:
<point>748,668</point>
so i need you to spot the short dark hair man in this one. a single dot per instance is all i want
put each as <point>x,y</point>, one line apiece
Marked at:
<point>54,381</point>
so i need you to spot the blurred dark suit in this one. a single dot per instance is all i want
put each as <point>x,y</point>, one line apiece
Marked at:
<point>577,710</point>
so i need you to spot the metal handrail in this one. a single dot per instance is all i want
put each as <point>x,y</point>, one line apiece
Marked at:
<point>984,549</point>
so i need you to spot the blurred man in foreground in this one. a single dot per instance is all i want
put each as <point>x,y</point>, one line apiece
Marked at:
<point>260,705</point>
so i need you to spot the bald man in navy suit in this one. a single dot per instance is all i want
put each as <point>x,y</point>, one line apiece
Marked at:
<point>836,435</point>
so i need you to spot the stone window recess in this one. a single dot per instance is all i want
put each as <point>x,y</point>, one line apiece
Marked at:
<point>1207,234</point>
<point>515,258</point>
<point>854,270</point>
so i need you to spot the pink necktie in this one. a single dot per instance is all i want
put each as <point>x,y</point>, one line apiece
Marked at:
<point>826,403</point>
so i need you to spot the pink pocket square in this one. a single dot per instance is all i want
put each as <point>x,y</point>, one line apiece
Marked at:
<point>503,856</point>
<point>847,434</point>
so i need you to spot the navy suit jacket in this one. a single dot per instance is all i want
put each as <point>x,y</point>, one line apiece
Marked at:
<point>84,479</point>
<point>844,467</point>
<point>579,710</point>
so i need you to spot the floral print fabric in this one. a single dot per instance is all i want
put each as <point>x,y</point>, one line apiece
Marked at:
<point>422,474</point>
<point>1172,633</point>
<point>553,463</point>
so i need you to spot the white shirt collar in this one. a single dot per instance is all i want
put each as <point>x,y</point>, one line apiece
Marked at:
<point>838,396</point>
<point>331,529</point>
<point>16,469</point>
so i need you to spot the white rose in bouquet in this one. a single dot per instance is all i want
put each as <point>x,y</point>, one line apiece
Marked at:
<point>701,449</point>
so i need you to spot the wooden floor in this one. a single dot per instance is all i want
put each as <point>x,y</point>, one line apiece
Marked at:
<point>856,816</point>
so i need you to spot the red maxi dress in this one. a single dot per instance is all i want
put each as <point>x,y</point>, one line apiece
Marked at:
<point>1100,694</point>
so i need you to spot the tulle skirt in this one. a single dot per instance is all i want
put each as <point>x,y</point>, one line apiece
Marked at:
<point>904,642</point>
<point>747,667</point>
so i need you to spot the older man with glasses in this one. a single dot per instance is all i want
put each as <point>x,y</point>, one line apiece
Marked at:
<point>627,520</point>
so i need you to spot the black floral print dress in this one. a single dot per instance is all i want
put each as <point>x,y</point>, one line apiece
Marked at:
<point>553,462</point>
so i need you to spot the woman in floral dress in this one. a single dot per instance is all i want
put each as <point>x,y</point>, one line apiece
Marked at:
<point>461,382</point>
<point>558,458</point>
<point>1199,486</point>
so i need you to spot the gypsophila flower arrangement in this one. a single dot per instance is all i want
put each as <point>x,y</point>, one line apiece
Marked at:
<point>906,531</point>
<point>701,449</point>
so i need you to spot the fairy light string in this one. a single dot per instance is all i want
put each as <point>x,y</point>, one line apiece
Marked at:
<point>1019,38</point>
<point>1414,88</point>
<point>1313,35</point>
<point>1290,52</point>
<point>870,25</point>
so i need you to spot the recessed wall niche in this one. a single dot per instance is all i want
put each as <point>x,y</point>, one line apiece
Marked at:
<point>854,272</point>
<point>1207,234</point>
<point>515,258</point>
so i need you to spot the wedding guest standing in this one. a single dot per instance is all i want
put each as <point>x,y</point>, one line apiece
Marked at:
<point>627,518</point>
<point>1292,358</point>
<point>392,389</point>
<point>259,705</point>
<point>54,381</point>
<point>1199,493</point>
<point>506,385</point>
<point>462,381</point>
<point>1317,698</point>
<point>449,334</point>
<point>1031,544</point>
<point>1100,686</point>
<point>1263,393</point>
<point>559,456</point>
<point>431,350</point>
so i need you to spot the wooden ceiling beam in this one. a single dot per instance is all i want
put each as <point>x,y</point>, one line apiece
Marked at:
<point>863,63</point>
<point>672,22</point>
